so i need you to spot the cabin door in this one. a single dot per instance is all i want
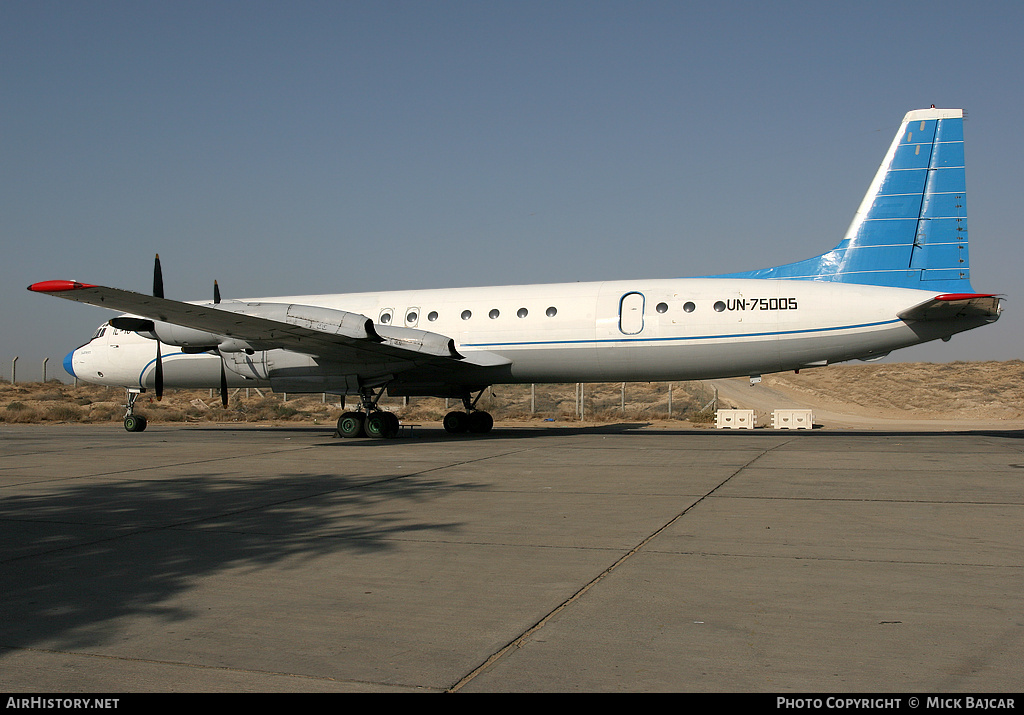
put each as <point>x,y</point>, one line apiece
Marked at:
<point>631,313</point>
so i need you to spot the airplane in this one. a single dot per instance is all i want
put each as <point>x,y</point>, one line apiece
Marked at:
<point>900,276</point>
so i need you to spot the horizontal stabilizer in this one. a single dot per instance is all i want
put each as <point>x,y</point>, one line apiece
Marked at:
<point>950,306</point>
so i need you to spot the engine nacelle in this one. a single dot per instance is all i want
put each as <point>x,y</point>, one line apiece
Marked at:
<point>167,333</point>
<point>197,339</point>
<point>171,334</point>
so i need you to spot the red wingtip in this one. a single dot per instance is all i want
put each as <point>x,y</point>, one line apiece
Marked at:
<point>963,296</point>
<point>57,286</point>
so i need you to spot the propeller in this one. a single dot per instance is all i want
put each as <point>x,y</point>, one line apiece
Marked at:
<point>159,374</point>
<point>158,292</point>
<point>223,374</point>
<point>223,383</point>
<point>140,325</point>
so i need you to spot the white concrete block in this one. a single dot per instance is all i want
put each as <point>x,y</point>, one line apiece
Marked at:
<point>792,419</point>
<point>735,419</point>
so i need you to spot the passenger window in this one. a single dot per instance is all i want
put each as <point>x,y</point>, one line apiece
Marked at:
<point>662,307</point>
<point>466,315</point>
<point>688,307</point>
<point>493,314</point>
<point>551,312</point>
<point>522,312</point>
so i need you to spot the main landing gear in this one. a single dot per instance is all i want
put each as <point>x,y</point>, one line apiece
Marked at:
<point>371,421</point>
<point>377,423</point>
<point>472,420</point>
<point>476,422</point>
<point>132,421</point>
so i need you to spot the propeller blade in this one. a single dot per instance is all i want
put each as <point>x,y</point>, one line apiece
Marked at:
<point>159,374</point>
<point>223,384</point>
<point>223,374</point>
<point>158,291</point>
<point>158,278</point>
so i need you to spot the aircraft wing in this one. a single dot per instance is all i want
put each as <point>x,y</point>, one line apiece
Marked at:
<point>955,305</point>
<point>334,335</point>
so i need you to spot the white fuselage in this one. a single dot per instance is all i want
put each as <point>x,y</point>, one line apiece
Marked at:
<point>644,330</point>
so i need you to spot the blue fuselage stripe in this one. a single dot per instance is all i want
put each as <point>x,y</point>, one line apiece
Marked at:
<point>142,373</point>
<point>679,338</point>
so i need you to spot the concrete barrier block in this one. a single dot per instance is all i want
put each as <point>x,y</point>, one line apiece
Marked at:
<point>735,419</point>
<point>792,419</point>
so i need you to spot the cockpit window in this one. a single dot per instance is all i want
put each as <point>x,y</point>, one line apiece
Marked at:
<point>99,332</point>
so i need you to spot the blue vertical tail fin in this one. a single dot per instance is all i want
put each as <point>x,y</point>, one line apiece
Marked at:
<point>911,228</point>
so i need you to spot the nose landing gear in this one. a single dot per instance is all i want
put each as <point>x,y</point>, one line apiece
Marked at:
<point>132,421</point>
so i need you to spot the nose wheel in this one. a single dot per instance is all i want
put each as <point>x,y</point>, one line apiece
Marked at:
<point>135,423</point>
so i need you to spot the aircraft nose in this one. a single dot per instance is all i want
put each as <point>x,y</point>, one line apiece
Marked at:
<point>68,364</point>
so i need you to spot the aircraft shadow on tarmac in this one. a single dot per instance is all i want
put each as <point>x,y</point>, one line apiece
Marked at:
<point>81,557</point>
<point>78,560</point>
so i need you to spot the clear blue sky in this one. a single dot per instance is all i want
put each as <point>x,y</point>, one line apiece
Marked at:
<point>299,147</point>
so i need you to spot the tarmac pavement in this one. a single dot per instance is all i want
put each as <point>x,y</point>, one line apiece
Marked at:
<point>563,559</point>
